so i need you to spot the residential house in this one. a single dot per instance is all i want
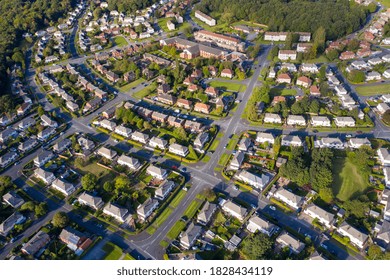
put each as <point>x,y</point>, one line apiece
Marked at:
<point>146,209</point>
<point>304,82</point>
<point>324,217</point>
<point>166,99</point>
<point>130,162</point>
<point>13,199</point>
<point>184,103</point>
<point>123,131</point>
<point>344,121</point>
<point>205,18</point>
<point>27,145</point>
<point>329,142</point>
<point>245,144</point>
<point>201,140</point>
<point>7,158</point>
<point>357,143</point>
<point>291,140</point>
<point>86,144</point>
<point>296,120</point>
<point>254,180</point>
<point>36,243</point>
<point>75,240</point>
<point>272,118</point>
<point>46,176</point>
<point>234,210</point>
<point>320,121</point>
<point>202,108</point>
<point>63,187</point>
<point>8,225</point>
<point>46,133</point>
<point>283,78</point>
<point>263,137</point>
<point>292,200</point>
<point>118,213</point>
<point>178,149</point>
<point>384,156</point>
<point>227,73</point>
<point>159,143</point>
<point>46,121</point>
<point>107,153</point>
<point>256,223</point>
<point>62,145</point>
<point>286,240</point>
<point>43,158</point>
<point>94,202</point>
<point>157,172</point>
<point>287,55</point>
<point>7,133</point>
<point>140,137</point>
<point>382,108</point>
<point>237,161</point>
<point>189,237</point>
<point>206,213</point>
<point>356,237</point>
<point>164,189</point>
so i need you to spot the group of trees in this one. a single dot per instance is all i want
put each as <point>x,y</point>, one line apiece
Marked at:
<point>19,17</point>
<point>314,169</point>
<point>39,209</point>
<point>337,18</point>
<point>260,94</point>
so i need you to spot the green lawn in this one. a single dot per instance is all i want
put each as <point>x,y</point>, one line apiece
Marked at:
<point>232,143</point>
<point>228,86</point>
<point>283,91</point>
<point>192,208</point>
<point>113,251</point>
<point>95,169</point>
<point>179,197</point>
<point>176,229</point>
<point>120,41</point>
<point>373,90</point>
<point>348,180</point>
<point>164,243</point>
<point>385,3</point>
<point>223,159</point>
<point>144,92</point>
<point>131,85</point>
<point>162,217</point>
<point>214,145</point>
<point>128,257</point>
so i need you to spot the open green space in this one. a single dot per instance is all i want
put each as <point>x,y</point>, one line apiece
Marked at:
<point>232,142</point>
<point>228,86</point>
<point>179,197</point>
<point>112,250</point>
<point>144,92</point>
<point>282,91</point>
<point>94,168</point>
<point>176,229</point>
<point>373,90</point>
<point>223,159</point>
<point>131,85</point>
<point>192,208</point>
<point>214,145</point>
<point>385,3</point>
<point>348,180</point>
<point>120,41</point>
<point>162,217</point>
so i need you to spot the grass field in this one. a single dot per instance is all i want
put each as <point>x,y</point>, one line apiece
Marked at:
<point>128,257</point>
<point>94,169</point>
<point>113,251</point>
<point>162,217</point>
<point>373,90</point>
<point>385,3</point>
<point>192,208</point>
<point>120,41</point>
<point>179,197</point>
<point>144,92</point>
<point>232,142</point>
<point>131,85</point>
<point>228,86</point>
<point>223,159</point>
<point>214,145</point>
<point>283,91</point>
<point>176,229</point>
<point>348,180</point>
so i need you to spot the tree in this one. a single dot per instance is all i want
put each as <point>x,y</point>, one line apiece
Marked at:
<point>79,162</point>
<point>386,117</point>
<point>326,195</point>
<point>40,111</point>
<point>314,106</point>
<point>210,194</point>
<point>122,184</point>
<point>108,186</point>
<point>356,76</point>
<point>60,220</point>
<point>40,209</point>
<point>319,39</point>
<point>257,246</point>
<point>374,252</point>
<point>28,206</point>
<point>332,55</point>
<point>89,181</point>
